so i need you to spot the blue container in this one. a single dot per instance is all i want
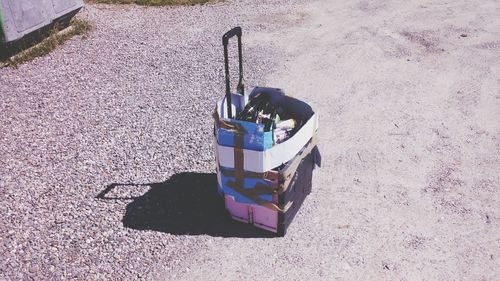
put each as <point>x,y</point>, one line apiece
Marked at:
<point>254,138</point>
<point>249,183</point>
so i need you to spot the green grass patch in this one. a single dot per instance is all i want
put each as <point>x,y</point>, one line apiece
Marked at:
<point>56,37</point>
<point>153,2</point>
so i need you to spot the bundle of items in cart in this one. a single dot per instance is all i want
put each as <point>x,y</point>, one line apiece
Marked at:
<point>260,110</point>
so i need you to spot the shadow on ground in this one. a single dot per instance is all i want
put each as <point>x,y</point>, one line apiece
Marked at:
<point>186,204</point>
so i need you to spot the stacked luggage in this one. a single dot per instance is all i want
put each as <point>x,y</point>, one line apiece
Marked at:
<point>265,150</point>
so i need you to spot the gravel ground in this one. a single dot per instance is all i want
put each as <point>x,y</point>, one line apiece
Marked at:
<point>128,106</point>
<point>106,162</point>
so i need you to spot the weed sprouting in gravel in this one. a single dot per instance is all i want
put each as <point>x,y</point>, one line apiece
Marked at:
<point>56,38</point>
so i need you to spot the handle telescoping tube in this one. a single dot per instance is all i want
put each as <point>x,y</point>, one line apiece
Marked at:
<point>240,88</point>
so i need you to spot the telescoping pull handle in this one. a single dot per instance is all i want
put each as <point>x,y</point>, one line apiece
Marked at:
<point>240,88</point>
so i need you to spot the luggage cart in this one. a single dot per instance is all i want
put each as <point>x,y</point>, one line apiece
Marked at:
<point>263,183</point>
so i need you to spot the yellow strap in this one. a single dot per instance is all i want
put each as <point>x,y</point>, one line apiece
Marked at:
<point>274,207</point>
<point>253,194</point>
<point>269,175</point>
<point>227,125</point>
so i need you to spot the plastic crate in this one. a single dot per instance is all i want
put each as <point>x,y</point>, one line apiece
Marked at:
<point>297,190</point>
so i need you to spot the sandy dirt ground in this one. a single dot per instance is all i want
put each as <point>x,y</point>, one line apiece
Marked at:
<point>409,98</point>
<point>408,94</point>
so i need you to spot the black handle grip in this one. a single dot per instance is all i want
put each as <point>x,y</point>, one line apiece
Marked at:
<point>231,33</point>
<point>240,88</point>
